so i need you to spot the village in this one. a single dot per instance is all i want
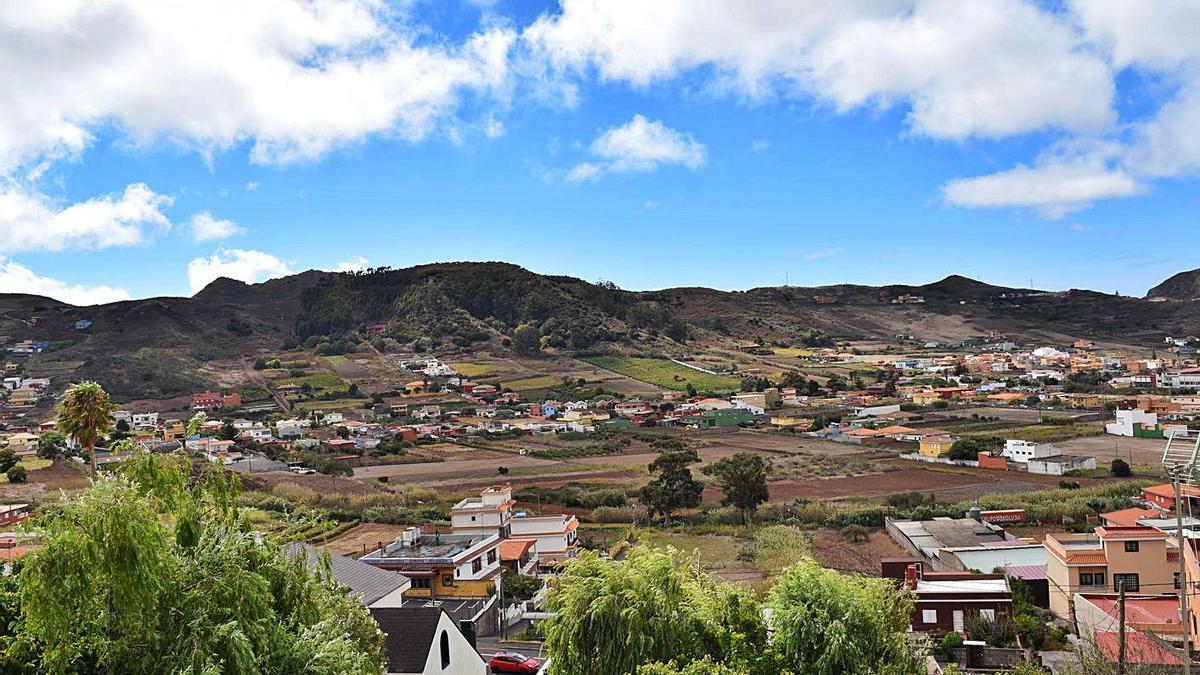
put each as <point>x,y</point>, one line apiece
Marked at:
<point>991,480</point>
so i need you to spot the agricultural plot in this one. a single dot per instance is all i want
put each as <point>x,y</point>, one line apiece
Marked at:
<point>1044,433</point>
<point>664,373</point>
<point>334,404</point>
<point>530,383</point>
<point>468,369</point>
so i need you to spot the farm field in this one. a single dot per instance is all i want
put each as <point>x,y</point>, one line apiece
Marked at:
<point>335,404</point>
<point>664,373</point>
<point>1043,433</point>
<point>468,369</point>
<point>530,383</point>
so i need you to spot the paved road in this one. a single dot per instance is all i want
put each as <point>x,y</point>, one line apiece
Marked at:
<point>488,646</point>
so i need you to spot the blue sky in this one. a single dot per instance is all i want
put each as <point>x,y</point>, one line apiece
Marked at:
<point>654,144</point>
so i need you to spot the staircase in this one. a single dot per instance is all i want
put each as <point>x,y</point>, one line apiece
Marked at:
<point>1180,455</point>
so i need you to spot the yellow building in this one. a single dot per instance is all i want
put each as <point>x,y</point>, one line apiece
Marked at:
<point>791,422</point>
<point>925,397</point>
<point>1143,559</point>
<point>936,446</point>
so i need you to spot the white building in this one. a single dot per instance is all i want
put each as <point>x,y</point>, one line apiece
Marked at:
<point>1059,465</point>
<point>144,420</point>
<point>488,513</point>
<point>1023,451</point>
<point>557,536</point>
<point>1123,426</point>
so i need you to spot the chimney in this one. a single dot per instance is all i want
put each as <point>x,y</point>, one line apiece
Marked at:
<point>911,576</point>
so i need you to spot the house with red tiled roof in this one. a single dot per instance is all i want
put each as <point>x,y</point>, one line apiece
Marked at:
<point>1128,517</point>
<point>1114,556</point>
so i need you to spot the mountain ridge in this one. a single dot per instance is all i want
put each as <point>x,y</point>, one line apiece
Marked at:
<point>158,347</point>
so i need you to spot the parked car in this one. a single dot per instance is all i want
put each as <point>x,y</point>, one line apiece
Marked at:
<point>513,662</point>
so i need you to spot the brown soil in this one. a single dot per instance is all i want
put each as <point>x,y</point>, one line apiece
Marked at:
<point>362,539</point>
<point>833,550</point>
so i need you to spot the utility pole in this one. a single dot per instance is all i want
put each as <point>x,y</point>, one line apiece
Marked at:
<point>1121,628</point>
<point>1183,582</point>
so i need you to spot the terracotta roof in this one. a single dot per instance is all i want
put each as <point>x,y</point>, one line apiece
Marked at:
<point>895,430</point>
<point>1168,490</point>
<point>1158,609</point>
<point>1128,517</point>
<point>513,549</point>
<point>1087,558</point>
<point>1139,648</point>
<point>1134,532</point>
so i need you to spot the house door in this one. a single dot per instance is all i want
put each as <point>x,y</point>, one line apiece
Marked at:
<point>958,620</point>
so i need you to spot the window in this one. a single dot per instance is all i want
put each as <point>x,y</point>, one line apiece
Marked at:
<point>1176,581</point>
<point>422,583</point>
<point>476,565</point>
<point>929,616</point>
<point>445,650</point>
<point>989,614</point>
<point>447,580</point>
<point>1131,547</point>
<point>1129,581</point>
<point>472,519</point>
<point>491,557</point>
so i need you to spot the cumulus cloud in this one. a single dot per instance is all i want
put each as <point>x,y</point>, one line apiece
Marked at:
<point>31,221</point>
<point>355,264</point>
<point>243,265</point>
<point>252,186</point>
<point>296,79</point>
<point>638,145</point>
<point>1053,189</point>
<point>980,68</point>
<point>206,228</point>
<point>16,278</point>
<point>1154,37</point>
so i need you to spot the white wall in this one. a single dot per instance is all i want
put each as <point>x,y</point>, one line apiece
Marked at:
<point>464,660</point>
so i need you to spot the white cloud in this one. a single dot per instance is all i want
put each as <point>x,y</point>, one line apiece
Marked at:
<point>296,79</point>
<point>1079,227</point>
<point>30,221</point>
<point>824,253</point>
<point>639,145</point>
<point>650,205</point>
<point>356,264</point>
<point>16,278</point>
<point>1053,189</point>
<point>760,145</point>
<point>252,186</point>
<point>979,68</point>
<point>206,228</point>
<point>243,265</point>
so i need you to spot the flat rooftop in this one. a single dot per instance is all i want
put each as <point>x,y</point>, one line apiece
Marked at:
<point>429,547</point>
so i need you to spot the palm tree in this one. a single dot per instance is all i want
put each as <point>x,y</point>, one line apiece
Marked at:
<point>85,414</point>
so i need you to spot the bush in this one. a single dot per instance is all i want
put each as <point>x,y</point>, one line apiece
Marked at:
<point>1032,631</point>
<point>17,474</point>
<point>951,640</point>
<point>616,514</point>
<point>1069,484</point>
<point>1120,468</point>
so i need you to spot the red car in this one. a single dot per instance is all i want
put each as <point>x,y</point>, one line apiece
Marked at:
<point>513,662</point>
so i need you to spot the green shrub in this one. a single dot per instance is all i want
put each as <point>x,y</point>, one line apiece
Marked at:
<point>951,640</point>
<point>17,474</point>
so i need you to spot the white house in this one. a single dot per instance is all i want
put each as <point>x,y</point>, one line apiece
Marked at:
<point>144,420</point>
<point>488,513</point>
<point>1023,451</point>
<point>1123,426</point>
<point>426,640</point>
<point>1059,465</point>
<point>557,536</point>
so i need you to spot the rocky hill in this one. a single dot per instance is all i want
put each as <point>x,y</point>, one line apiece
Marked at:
<point>1182,286</point>
<point>159,347</point>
